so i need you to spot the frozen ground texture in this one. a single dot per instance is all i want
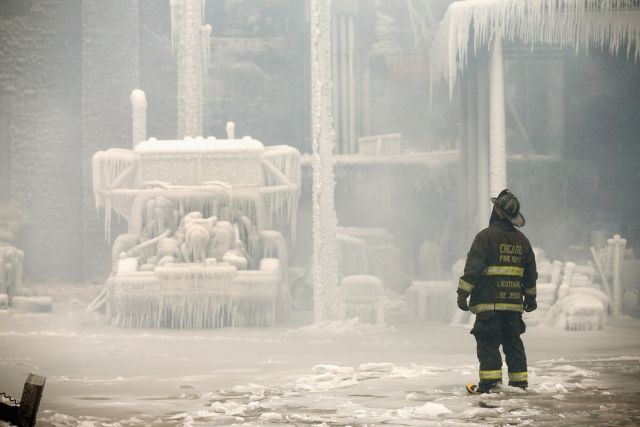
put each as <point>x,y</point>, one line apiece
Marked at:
<point>336,373</point>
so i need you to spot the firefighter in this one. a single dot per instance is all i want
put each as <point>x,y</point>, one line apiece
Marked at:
<point>500,275</point>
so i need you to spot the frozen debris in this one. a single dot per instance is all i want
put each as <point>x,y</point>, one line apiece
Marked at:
<point>231,407</point>
<point>427,410</point>
<point>253,389</point>
<point>270,417</point>
<point>550,388</point>
<point>327,377</point>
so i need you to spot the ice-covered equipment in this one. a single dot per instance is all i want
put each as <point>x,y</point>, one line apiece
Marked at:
<point>204,217</point>
<point>432,300</point>
<point>580,304</point>
<point>11,260</point>
<point>363,298</point>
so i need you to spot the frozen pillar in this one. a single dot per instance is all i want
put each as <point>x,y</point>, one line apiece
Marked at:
<point>190,40</point>
<point>325,266</point>
<point>618,245</point>
<point>484,193</point>
<point>139,117</point>
<point>231,130</point>
<point>497,138</point>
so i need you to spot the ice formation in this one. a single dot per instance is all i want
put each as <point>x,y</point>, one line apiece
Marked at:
<point>579,304</point>
<point>371,251</point>
<point>363,298</point>
<point>325,268</point>
<point>201,215</point>
<point>432,300</point>
<point>578,24</point>
<point>10,270</point>
<point>380,145</point>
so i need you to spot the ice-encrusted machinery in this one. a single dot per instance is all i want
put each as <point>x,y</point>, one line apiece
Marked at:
<point>207,221</point>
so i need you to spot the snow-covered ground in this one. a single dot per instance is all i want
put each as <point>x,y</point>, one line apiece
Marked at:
<point>406,373</point>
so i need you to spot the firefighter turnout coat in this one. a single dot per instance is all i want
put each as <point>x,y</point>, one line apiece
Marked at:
<point>500,269</point>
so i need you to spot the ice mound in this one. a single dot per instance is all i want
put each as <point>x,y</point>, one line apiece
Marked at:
<point>429,409</point>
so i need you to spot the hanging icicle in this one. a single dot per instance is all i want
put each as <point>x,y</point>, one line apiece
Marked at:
<point>578,24</point>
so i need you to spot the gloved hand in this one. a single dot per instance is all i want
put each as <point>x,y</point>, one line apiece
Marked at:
<point>530,304</point>
<point>462,303</point>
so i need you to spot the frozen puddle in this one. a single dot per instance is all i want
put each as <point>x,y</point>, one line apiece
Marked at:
<point>562,392</point>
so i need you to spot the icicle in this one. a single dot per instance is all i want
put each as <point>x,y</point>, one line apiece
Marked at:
<point>196,296</point>
<point>286,159</point>
<point>274,246</point>
<point>579,24</point>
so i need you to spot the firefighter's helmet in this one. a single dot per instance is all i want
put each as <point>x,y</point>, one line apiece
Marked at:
<point>509,205</point>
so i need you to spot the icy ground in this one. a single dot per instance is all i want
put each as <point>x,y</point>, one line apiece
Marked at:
<point>336,374</point>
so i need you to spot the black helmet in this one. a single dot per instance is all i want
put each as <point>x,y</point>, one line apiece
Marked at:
<point>509,205</point>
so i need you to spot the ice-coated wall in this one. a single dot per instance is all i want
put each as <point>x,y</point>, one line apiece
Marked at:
<point>39,71</point>
<point>110,67</point>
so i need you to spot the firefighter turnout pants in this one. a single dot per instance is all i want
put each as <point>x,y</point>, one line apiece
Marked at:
<point>494,329</point>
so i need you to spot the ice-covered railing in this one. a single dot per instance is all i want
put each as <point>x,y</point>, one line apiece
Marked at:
<point>263,182</point>
<point>612,25</point>
<point>380,145</point>
<point>286,159</point>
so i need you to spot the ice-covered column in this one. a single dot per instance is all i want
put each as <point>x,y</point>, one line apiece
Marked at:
<point>497,135</point>
<point>325,265</point>
<point>139,117</point>
<point>484,167</point>
<point>231,130</point>
<point>190,41</point>
<point>618,244</point>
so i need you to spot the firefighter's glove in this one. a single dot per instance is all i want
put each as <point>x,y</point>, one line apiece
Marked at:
<point>462,303</point>
<point>530,304</point>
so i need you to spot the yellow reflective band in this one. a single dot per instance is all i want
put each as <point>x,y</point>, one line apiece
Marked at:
<point>481,308</point>
<point>465,286</point>
<point>518,376</point>
<point>503,270</point>
<point>491,375</point>
<point>530,291</point>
